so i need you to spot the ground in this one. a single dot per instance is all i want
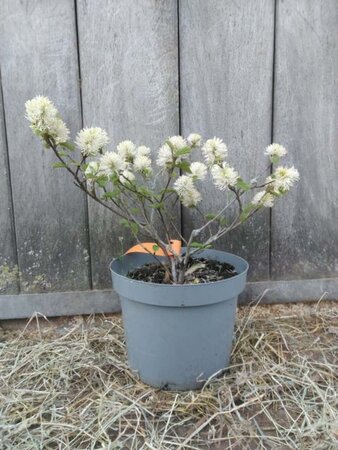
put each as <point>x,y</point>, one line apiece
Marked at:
<point>65,384</point>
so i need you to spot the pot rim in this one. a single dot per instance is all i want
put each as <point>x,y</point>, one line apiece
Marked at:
<point>162,285</point>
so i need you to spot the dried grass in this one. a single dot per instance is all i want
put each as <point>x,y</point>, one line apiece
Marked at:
<point>73,390</point>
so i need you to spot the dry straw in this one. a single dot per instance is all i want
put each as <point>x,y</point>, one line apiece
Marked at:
<point>73,389</point>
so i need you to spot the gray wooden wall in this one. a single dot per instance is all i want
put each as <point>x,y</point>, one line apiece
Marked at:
<point>249,71</point>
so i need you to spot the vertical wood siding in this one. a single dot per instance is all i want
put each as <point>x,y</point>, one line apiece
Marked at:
<point>129,71</point>
<point>8,257</point>
<point>226,91</point>
<point>39,56</point>
<point>305,224</point>
<point>239,70</point>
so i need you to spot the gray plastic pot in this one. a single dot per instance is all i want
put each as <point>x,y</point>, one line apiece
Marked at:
<point>178,335</point>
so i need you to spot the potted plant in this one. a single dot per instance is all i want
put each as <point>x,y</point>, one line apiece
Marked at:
<point>178,305</point>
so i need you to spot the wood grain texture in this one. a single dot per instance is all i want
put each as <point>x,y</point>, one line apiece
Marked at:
<point>8,255</point>
<point>304,225</point>
<point>39,56</point>
<point>226,91</point>
<point>54,304</point>
<point>129,71</point>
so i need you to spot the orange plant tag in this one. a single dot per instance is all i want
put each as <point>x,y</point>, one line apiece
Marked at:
<point>148,247</point>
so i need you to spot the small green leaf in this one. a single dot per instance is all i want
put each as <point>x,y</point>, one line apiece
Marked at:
<point>131,225</point>
<point>210,216</point>
<point>156,248</point>
<point>111,194</point>
<point>125,223</point>
<point>68,145</point>
<point>167,191</point>
<point>222,221</point>
<point>183,151</point>
<point>134,227</point>
<point>62,153</point>
<point>172,148</point>
<point>157,205</point>
<point>134,210</point>
<point>144,191</point>
<point>246,211</point>
<point>199,245</point>
<point>114,178</point>
<point>274,159</point>
<point>241,184</point>
<point>102,181</point>
<point>59,165</point>
<point>184,166</point>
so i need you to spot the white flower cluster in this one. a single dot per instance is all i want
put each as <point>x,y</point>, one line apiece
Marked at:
<point>282,179</point>
<point>198,170</point>
<point>45,120</point>
<point>112,162</point>
<point>127,151</point>
<point>185,188</point>
<point>277,184</point>
<point>91,141</point>
<point>275,150</point>
<point>123,163</point>
<point>214,151</point>
<point>263,198</point>
<point>194,139</point>
<point>171,152</point>
<point>224,176</point>
<point>127,161</point>
<point>92,170</point>
<point>167,154</point>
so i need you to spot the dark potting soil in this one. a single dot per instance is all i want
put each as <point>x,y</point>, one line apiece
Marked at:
<point>200,270</point>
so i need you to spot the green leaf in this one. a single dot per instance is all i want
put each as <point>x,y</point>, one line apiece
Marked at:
<point>111,195</point>
<point>134,227</point>
<point>172,148</point>
<point>222,221</point>
<point>102,181</point>
<point>183,151</point>
<point>62,153</point>
<point>144,191</point>
<point>134,210</point>
<point>59,165</point>
<point>210,216</point>
<point>274,159</point>
<point>184,166</point>
<point>157,205</point>
<point>167,191</point>
<point>246,211</point>
<point>68,145</point>
<point>125,223</point>
<point>241,184</point>
<point>131,225</point>
<point>114,178</point>
<point>199,245</point>
<point>156,248</point>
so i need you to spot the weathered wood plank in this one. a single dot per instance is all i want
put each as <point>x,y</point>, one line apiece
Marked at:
<point>129,70</point>
<point>8,256</point>
<point>53,304</point>
<point>304,226</point>
<point>106,301</point>
<point>226,91</point>
<point>39,56</point>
